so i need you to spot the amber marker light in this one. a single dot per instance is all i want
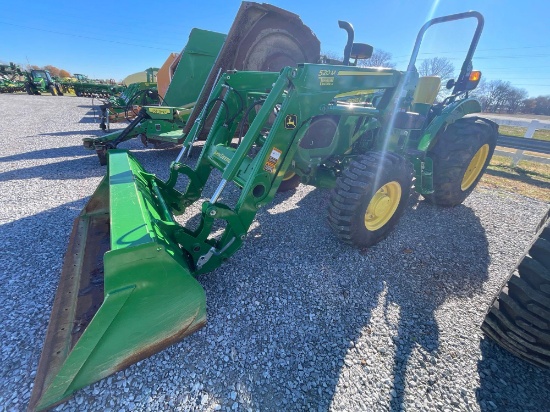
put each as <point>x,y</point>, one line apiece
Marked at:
<point>475,76</point>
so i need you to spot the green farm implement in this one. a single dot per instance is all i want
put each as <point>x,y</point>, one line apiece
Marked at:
<point>10,78</point>
<point>262,37</point>
<point>127,104</point>
<point>364,132</point>
<point>82,86</point>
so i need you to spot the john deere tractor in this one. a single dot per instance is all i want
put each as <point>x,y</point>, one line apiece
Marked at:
<point>41,81</point>
<point>366,133</point>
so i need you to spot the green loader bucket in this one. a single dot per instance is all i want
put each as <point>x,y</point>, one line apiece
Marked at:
<point>125,290</point>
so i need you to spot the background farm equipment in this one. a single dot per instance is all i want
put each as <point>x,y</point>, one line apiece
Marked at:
<point>11,77</point>
<point>262,37</point>
<point>271,127</point>
<point>126,105</point>
<point>82,86</point>
<point>41,81</point>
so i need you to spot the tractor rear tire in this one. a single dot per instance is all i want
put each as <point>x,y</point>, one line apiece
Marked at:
<point>58,90</point>
<point>519,317</point>
<point>369,198</point>
<point>460,156</point>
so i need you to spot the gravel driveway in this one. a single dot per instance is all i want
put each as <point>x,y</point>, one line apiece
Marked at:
<point>296,320</point>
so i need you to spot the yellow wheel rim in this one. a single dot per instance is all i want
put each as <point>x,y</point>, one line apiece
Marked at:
<point>288,176</point>
<point>475,167</point>
<point>382,206</point>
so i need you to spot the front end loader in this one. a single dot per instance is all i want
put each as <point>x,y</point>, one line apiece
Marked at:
<point>128,285</point>
<point>263,37</point>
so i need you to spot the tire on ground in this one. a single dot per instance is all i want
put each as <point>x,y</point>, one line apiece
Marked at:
<point>460,156</point>
<point>519,317</point>
<point>369,198</point>
<point>290,182</point>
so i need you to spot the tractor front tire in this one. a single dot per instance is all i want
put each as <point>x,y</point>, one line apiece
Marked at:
<point>29,90</point>
<point>519,317</point>
<point>369,198</point>
<point>290,182</point>
<point>460,156</point>
<point>58,90</point>
<point>52,90</point>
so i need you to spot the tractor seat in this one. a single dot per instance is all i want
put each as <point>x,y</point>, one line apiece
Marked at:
<point>425,93</point>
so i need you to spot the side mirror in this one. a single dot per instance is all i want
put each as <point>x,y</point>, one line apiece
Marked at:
<point>361,51</point>
<point>450,84</point>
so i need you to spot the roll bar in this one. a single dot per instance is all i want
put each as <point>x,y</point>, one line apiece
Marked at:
<point>467,65</point>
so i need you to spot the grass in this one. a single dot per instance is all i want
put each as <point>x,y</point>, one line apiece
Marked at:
<point>528,179</point>
<point>520,131</point>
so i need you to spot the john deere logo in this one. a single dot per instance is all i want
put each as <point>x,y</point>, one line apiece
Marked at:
<point>290,121</point>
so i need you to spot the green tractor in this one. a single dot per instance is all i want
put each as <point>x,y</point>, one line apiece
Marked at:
<point>41,81</point>
<point>367,133</point>
<point>262,37</point>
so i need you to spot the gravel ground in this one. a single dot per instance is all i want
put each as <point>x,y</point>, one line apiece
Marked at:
<point>297,320</point>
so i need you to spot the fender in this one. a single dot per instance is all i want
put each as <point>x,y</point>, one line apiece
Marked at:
<point>449,115</point>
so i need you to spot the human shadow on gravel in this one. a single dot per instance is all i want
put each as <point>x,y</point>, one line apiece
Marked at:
<point>282,320</point>
<point>289,307</point>
<point>448,258</point>
<point>504,380</point>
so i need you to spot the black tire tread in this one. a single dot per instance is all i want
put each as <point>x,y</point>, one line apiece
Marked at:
<point>519,317</point>
<point>455,147</point>
<point>352,187</point>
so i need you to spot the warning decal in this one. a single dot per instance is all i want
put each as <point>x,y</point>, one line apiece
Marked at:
<point>272,161</point>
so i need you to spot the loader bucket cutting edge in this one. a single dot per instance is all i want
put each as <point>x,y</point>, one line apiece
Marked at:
<point>125,290</point>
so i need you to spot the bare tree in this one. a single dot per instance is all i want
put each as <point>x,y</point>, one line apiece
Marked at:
<point>516,99</point>
<point>437,66</point>
<point>54,71</point>
<point>379,58</point>
<point>331,57</point>
<point>537,105</point>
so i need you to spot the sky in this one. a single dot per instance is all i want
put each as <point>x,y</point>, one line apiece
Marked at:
<point>115,39</point>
